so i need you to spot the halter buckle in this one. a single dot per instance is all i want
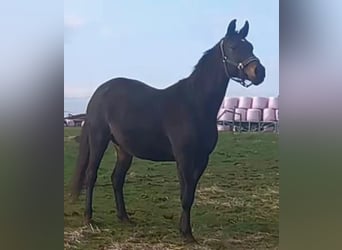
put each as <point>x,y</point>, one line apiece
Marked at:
<point>246,85</point>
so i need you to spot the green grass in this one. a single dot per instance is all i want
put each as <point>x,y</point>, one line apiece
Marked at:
<point>236,204</point>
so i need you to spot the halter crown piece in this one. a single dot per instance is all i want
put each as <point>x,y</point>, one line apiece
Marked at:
<point>240,66</point>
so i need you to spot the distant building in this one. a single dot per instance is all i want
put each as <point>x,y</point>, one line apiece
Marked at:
<point>74,120</point>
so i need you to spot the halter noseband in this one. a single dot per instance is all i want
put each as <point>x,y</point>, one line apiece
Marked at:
<point>240,66</point>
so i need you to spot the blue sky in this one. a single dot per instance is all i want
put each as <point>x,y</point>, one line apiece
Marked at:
<point>159,42</point>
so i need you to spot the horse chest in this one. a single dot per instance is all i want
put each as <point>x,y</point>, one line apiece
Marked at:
<point>207,139</point>
<point>197,138</point>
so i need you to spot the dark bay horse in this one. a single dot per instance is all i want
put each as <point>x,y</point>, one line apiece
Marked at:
<point>178,123</point>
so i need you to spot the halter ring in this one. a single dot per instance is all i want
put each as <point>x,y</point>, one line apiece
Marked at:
<point>240,66</point>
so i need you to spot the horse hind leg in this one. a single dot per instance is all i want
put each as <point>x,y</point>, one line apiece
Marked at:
<point>123,163</point>
<point>98,143</point>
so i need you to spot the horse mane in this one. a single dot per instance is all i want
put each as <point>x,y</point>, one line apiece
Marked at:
<point>207,83</point>
<point>206,63</point>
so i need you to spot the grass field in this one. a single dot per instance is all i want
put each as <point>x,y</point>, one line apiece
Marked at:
<point>236,204</point>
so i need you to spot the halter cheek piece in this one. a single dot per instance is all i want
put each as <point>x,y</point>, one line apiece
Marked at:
<point>240,66</point>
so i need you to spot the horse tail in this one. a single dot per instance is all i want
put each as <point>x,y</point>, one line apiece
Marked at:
<point>82,163</point>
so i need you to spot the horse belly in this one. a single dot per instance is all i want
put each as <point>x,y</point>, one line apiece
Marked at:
<point>154,154</point>
<point>152,150</point>
<point>147,145</point>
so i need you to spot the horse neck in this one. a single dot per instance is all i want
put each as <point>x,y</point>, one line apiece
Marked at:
<point>208,83</point>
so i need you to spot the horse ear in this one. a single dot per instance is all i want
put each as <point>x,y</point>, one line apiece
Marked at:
<point>244,31</point>
<point>231,28</point>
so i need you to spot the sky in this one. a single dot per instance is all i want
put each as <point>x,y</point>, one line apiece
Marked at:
<point>159,42</point>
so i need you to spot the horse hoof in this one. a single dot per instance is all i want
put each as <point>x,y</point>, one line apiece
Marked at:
<point>126,220</point>
<point>88,221</point>
<point>189,239</point>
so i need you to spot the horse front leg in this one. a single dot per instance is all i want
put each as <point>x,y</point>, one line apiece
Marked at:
<point>189,171</point>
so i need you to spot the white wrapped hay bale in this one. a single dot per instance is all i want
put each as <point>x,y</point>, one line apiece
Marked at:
<point>273,102</point>
<point>268,129</point>
<point>269,115</point>
<point>220,127</point>
<point>230,102</point>
<point>241,114</point>
<point>259,102</point>
<point>223,128</point>
<point>254,115</point>
<point>228,115</point>
<point>70,123</point>
<point>245,102</point>
<point>220,112</point>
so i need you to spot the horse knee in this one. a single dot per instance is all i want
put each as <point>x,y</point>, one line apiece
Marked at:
<point>117,179</point>
<point>186,204</point>
<point>112,178</point>
<point>91,177</point>
<point>188,198</point>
